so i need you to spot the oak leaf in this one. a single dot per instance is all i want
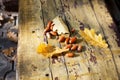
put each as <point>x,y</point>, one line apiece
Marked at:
<point>91,37</point>
<point>49,50</point>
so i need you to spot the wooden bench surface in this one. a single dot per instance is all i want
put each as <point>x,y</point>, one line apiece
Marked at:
<point>91,64</point>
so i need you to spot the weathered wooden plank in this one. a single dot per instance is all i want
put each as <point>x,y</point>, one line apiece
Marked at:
<point>30,65</point>
<point>109,29</point>
<point>76,11</point>
<point>57,65</point>
<point>75,62</point>
<point>109,61</point>
<point>99,7</point>
<point>73,66</point>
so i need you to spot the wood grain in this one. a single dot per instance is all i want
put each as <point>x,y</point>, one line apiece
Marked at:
<point>92,63</point>
<point>90,20</point>
<point>57,65</point>
<point>30,64</point>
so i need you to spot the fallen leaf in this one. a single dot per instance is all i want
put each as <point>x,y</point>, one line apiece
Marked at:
<point>12,36</point>
<point>48,50</point>
<point>91,37</point>
<point>8,51</point>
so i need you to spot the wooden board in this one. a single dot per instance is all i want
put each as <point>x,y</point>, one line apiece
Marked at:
<point>34,16</point>
<point>30,65</point>
<point>90,20</point>
<point>56,64</point>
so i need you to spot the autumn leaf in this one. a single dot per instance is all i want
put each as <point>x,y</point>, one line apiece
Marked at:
<point>8,51</point>
<point>91,37</point>
<point>12,36</point>
<point>49,50</point>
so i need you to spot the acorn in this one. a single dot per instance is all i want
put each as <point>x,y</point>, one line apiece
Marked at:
<point>68,46</point>
<point>61,38</point>
<point>74,47</point>
<point>72,40</point>
<point>47,29</point>
<point>49,24</point>
<point>69,54</point>
<point>67,40</point>
<point>51,28</point>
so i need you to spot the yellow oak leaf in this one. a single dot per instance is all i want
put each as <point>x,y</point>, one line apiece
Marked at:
<point>91,37</point>
<point>49,50</point>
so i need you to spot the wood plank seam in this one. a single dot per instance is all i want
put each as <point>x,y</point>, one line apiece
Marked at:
<point>105,38</point>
